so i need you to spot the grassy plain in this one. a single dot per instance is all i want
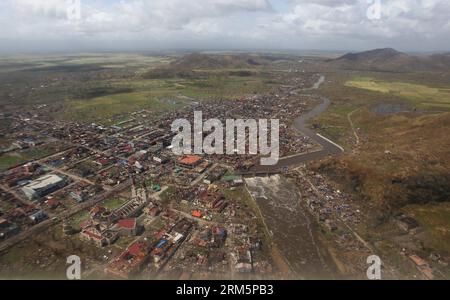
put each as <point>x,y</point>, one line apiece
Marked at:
<point>94,87</point>
<point>158,95</point>
<point>21,62</point>
<point>423,96</point>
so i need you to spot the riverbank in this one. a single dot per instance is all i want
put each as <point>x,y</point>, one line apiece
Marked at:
<point>293,232</point>
<point>278,259</point>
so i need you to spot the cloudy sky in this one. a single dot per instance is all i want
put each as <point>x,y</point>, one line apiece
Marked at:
<point>60,25</point>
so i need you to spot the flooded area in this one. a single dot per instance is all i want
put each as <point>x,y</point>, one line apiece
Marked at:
<point>391,109</point>
<point>293,230</point>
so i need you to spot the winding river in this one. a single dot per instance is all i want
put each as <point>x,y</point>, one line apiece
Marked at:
<point>300,123</point>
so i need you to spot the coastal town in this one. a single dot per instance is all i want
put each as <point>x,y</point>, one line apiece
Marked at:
<point>145,212</point>
<point>224,147</point>
<point>174,216</point>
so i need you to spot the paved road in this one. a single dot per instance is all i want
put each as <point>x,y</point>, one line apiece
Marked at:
<point>328,147</point>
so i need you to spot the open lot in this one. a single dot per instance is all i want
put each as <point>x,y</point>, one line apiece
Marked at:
<point>12,159</point>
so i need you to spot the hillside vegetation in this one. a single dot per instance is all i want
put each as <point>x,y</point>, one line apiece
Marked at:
<point>390,60</point>
<point>402,153</point>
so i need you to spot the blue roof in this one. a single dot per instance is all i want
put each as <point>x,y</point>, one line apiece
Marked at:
<point>161,243</point>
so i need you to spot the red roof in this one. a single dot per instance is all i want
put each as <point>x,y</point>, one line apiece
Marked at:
<point>155,211</point>
<point>136,248</point>
<point>83,184</point>
<point>52,202</point>
<point>92,234</point>
<point>159,234</point>
<point>103,161</point>
<point>417,260</point>
<point>197,214</point>
<point>127,223</point>
<point>97,209</point>
<point>85,223</point>
<point>190,159</point>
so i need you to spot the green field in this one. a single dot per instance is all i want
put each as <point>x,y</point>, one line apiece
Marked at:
<point>108,106</point>
<point>90,87</point>
<point>114,203</point>
<point>158,95</point>
<point>420,95</point>
<point>21,62</point>
<point>10,160</point>
<point>78,218</point>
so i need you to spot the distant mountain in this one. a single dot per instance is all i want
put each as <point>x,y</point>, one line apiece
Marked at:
<point>210,61</point>
<point>440,60</point>
<point>388,59</point>
<point>196,64</point>
<point>374,56</point>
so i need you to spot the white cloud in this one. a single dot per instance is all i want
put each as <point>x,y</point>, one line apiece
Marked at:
<point>302,23</point>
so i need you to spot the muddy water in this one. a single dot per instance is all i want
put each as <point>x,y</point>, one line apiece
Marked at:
<point>292,228</point>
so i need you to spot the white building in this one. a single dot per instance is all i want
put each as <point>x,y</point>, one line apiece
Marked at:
<point>43,186</point>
